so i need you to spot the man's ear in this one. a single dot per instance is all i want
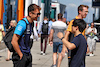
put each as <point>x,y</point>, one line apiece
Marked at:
<point>79,11</point>
<point>30,13</point>
<point>77,27</point>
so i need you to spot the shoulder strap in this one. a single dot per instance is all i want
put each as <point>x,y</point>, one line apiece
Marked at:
<point>45,23</point>
<point>27,24</point>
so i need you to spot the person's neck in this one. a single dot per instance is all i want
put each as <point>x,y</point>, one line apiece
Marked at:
<point>79,16</point>
<point>29,19</point>
<point>77,33</point>
<point>92,27</point>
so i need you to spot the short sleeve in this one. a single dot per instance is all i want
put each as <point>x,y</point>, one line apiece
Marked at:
<point>76,41</point>
<point>20,28</point>
<point>70,26</point>
<point>52,26</point>
<point>95,31</point>
<point>83,33</point>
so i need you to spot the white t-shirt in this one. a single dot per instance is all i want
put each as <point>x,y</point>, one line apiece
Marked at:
<point>58,26</point>
<point>90,29</point>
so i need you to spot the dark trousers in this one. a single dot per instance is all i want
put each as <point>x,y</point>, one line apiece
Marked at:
<point>46,39</point>
<point>26,61</point>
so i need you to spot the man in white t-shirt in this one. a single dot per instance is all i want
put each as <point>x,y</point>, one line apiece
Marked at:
<point>57,26</point>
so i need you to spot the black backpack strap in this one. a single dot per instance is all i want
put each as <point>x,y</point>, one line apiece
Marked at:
<point>27,24</point>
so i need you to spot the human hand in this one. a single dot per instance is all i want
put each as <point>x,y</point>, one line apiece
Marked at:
<point>51,43</point>
<point>92,31</point>
<point>60,35</point>
<point>21,56</point>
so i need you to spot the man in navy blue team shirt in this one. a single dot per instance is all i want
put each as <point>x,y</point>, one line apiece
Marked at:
<point>78,46</point>
<point>22,38</point>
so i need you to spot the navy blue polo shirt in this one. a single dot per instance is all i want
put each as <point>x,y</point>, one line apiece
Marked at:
<point>23,43</point>
<point>78,54</point>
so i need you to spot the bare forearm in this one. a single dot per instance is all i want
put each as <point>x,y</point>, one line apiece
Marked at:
<point>51,38</point>
<point>89,32</point>
<point>3,33</point>
<point>16,48</point>
<point>16,45</point>
<point>51,35</point>
<point>95,33</point>
<point>69,45</point>
<point>67,35</point>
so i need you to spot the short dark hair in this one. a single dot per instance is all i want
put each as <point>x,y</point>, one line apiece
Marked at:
<point>32,7</point>
<point>80,7</point>
<point>51,19</point>
<point>60,16</point>
<point>80,23</point>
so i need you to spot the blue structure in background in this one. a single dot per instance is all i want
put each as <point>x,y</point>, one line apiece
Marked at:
<point>5,14</point>
<point>10,12</point>
<point>15,10</point>
<point>65,14</point>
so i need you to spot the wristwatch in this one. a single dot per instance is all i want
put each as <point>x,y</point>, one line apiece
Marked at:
<point>62,38</point>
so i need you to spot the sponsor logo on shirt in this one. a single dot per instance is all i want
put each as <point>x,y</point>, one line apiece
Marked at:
<point>20,28</point>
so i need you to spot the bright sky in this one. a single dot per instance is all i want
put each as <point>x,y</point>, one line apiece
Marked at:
<point>72,8</point>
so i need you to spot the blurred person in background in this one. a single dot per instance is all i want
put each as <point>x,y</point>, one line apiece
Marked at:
<point>50,23</point>
<point>57,26</point>
<point>13,23</point>
<point>2,33</point>
<point>92,31</point>
<point>44,30</point>
<point>64,20</point>
<point>53,20</point>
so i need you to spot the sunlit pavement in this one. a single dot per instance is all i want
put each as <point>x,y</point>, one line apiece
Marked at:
<point>46,61</point>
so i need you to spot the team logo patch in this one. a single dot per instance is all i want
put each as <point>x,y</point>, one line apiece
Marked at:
<point>20,28</point>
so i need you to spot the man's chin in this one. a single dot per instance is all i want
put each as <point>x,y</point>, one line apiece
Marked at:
<point>35,19</point>
<point>84,17</point>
